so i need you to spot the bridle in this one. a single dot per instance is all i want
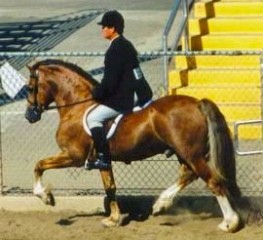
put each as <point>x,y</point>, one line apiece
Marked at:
<point>35,109</point>
<point>35,76</point>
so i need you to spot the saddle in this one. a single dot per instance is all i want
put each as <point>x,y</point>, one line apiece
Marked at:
<point>112,124</point>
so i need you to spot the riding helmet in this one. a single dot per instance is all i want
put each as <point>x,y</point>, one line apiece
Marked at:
<point>113,19</point>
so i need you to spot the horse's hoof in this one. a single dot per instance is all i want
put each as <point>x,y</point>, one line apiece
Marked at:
<point>157,212</point>
<point>230,225</point>
<point>50,200</point>
<point>160,206</point>
<point>109,222</point>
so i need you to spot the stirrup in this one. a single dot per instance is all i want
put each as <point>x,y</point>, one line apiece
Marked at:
<point>98,164</point>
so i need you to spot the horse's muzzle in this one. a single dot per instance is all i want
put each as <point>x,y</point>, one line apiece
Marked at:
<point>33,114</point>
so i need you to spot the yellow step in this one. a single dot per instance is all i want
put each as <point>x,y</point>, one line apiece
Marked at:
<point>218,61</point>
<point>222,9</point>
<point>240,112</point>
<point>226,42</point>
<point>225,25</point>
<point>220,77</point>
<point>223,95</point>
<point>248,132</point>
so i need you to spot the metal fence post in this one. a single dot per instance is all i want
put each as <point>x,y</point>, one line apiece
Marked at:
<point>186,30</point>
<point>165,65</point>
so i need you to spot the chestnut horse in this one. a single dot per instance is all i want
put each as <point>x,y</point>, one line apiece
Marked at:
<point>194,130</point>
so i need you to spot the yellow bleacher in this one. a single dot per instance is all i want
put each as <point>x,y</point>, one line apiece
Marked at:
<point>233,82</point>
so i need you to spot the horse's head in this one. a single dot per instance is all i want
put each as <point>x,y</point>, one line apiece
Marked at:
<point>36,96</point>
<point>54,80</point>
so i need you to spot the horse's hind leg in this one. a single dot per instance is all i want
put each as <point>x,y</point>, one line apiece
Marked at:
<point>231,219</point>
<point>165,200</point>
<point>62,160</point>
<point>110,189</point>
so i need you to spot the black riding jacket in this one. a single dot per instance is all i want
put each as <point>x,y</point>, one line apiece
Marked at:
<point>119,82</point>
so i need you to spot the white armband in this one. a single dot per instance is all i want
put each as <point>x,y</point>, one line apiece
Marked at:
<point>137,73</point>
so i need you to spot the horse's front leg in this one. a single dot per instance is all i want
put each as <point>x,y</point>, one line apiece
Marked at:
<point>110,188</point>
<point>62,160</point>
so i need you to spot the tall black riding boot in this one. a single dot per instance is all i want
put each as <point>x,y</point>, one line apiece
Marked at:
<point>102,148</point>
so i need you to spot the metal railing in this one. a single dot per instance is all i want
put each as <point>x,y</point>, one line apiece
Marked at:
<point>180,6</point>
<point>236,138</point>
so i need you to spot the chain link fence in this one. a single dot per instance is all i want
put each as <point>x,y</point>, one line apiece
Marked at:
<point>22,144</point>
<point>233,79</point>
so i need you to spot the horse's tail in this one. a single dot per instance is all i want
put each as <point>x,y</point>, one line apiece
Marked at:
<point>222,155</point>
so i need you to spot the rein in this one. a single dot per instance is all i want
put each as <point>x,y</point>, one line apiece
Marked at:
<point>68,105</point>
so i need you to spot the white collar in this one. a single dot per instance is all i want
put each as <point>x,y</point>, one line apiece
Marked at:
<point>114,39</point>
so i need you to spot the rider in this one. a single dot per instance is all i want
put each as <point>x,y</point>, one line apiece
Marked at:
<point>122,87</point>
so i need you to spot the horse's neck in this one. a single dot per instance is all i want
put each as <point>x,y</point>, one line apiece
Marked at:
<point>72,89</point>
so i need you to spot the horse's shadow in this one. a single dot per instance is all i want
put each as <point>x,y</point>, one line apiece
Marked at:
<point>139,208</point>
<point>132,209</point>
<point>135,208</point>
<point>67,221</point>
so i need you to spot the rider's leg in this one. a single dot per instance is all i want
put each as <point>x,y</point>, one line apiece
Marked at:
<point>95,121</point>
<point>102,149</point>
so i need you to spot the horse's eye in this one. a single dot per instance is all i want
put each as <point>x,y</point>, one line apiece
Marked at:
<point>28,90</point>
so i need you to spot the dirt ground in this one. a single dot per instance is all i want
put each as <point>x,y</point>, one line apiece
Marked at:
<point>180,223</point>
<point>73,225</point>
